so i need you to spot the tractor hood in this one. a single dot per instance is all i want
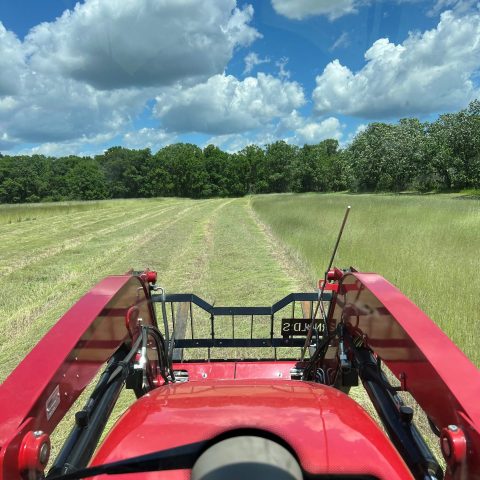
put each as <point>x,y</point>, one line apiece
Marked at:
<point>328,431</point>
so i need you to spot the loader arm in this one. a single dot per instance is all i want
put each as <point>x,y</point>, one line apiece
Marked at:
<point>43,387</point>
<point>427,363</point>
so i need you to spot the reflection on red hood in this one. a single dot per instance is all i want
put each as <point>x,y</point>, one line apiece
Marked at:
<point>329,432</point>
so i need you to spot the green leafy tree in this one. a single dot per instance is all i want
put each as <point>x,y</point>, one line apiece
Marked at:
<point>370,157</point>
<point>280,160</point>
<point>184,164</point>
<point>454,146</point>
<point>86,180</point>
<point>216,167</point>
<point>125,171</point>
<point>251,162</point>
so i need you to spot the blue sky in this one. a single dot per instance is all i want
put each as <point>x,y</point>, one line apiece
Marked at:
<point>77,78</point>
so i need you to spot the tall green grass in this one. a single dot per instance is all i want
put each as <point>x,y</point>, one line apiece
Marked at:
<point>428,246</point>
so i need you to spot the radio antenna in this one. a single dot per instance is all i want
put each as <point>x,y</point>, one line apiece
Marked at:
<point>322,288</point>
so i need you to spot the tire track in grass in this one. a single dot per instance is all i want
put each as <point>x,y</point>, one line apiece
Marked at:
<point>193,278</point>
<point>291,263</point>
<point>188,273</point>
<point>201,264</point>
<point>242,269</point>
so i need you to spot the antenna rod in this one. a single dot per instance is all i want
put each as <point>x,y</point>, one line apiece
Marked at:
<point>347,211</point>
<point>310,328</point>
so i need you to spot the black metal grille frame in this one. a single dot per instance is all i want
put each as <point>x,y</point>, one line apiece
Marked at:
<point>186,335</point>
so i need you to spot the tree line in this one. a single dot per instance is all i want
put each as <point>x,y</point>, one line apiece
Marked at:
<point>443,155</point>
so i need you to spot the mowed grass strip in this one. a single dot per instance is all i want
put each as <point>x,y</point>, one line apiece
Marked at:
<point>428,246</point>
<point>29,212</point>
<point>23,245</point>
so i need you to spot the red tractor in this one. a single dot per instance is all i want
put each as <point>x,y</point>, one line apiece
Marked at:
<point>206,409</point>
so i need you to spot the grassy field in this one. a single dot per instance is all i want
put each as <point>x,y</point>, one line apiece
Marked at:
<point>235,251</point>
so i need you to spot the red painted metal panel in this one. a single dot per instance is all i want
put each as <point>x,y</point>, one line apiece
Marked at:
<point>329,432</point>
<point>42,388</point>
<point>438,375</point>
<point>207,371</point>
<point>268,370</point>
<point>202,371</point>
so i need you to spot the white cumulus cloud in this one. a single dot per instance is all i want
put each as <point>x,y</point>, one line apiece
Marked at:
<point>300,9</point>
<point>152,138</point>
<point>298,129</point>
<point>233,142</point>
<point>92,71</point>
<point>49,109</point>
<point>252,60</point>
<point>315,132</point>
<point>83,147</point>
<point>11,62</point>
<point>293,129</point>
<point>428,72</point>
<point>122,43</point>
<point>224,104</point>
